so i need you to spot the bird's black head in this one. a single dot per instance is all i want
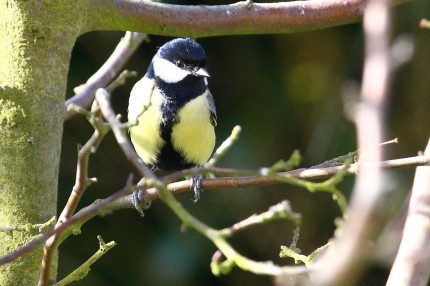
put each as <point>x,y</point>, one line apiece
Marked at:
<point>179,58</point>
<point>183,53</point>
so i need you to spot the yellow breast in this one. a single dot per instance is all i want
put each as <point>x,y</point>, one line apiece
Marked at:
<point>146,135</point>
<point>194,136</point>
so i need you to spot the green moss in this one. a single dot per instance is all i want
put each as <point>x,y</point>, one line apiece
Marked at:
<point>11,113</point>
<point>35,48</point>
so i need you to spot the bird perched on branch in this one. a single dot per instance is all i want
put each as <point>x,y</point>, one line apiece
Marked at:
<point>173,110</point>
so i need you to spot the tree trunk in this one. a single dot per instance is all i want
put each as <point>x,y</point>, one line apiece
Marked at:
<point>36,40</point>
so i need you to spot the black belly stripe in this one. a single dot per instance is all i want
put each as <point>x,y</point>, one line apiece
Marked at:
<point>168,158</point>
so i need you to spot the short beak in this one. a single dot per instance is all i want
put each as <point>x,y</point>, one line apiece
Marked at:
<point>201,72</point>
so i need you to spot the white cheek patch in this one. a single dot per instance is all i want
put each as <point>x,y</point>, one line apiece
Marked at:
<point>168,71</point>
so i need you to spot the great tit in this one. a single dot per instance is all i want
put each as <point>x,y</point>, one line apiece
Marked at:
<point>172,111</point>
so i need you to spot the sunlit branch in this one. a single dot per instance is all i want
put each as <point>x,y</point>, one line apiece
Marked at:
<point>81,216</point>
<point>413,258</point>
<point>346,259</point>
<point>119,130</point>
<point>84,269</point>
<point>82,180</point>
<point>234,19</point>
<point>152,194</point>
<point>107,72</point>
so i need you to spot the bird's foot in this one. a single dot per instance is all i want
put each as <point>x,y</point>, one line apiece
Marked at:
<point>139,202</point>
<point>196,182</point>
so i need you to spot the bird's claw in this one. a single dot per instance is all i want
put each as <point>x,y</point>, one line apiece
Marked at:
<point>139,202</point>
<point>196,182</point>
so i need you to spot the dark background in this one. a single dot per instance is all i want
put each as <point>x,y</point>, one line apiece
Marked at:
<point>286,91</point>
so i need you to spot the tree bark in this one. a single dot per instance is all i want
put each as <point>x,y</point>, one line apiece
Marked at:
<point>37,38</point>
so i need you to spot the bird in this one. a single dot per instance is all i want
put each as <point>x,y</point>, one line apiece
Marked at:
<point>172,112</point>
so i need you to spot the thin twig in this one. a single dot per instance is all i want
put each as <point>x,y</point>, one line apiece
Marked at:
<point>102,97</point>
<point>39,227</point>
<point>81,216</point>
<point>293,252</point>
<point>152,194</point>
<point>124,201</point>
<point>289,252</point>
<point>255,178</point>
<point>232,256</point>
<point>224,147</point>
<point>352,156</point>
<point>249,178</point>
<point>281,210</point>
<point>82,181</point>
<point>107,72</point>
<point>82,271</point>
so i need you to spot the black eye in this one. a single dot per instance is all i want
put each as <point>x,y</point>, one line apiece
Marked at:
<point>180,64</point>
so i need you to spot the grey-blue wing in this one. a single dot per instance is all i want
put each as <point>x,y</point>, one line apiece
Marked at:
<point>212,108</point>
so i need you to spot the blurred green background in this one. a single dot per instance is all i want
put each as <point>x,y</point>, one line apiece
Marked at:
<point>287,92</point>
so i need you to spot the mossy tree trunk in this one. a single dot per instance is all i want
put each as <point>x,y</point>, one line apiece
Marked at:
<point>36,40</point>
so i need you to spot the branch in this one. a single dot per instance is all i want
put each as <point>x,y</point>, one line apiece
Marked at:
<point>83,270</point>
<point>291,252</point>
<point>413,258</point>
<point>345,260</point>
<point>280,211</point>
<point>224,147</point>
<point>40,227</point>
<point>102,97</point>
<point>217,238</point>
<point>120,200</point>
<point>256,179</point>
<point>82,181</point>
<point>151,194</point>
<point>81,216</point>
<point>235,19</point>
<point>125,49</point>
<point>250,178</point>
